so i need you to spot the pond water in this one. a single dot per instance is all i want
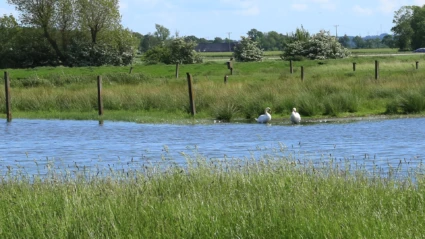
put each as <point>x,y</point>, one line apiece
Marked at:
<point>31,144</point>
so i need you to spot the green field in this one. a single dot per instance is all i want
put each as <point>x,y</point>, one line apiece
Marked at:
<point>152,93</point>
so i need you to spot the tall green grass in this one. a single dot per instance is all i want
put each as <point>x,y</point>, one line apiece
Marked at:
<point>273,196</point>
<point>330,88</point>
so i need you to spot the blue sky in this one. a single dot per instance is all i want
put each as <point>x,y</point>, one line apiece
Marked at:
<point>234,18</point>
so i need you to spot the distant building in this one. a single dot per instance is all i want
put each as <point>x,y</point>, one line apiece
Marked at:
<point>215,47</point>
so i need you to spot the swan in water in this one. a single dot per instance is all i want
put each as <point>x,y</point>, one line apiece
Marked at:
<point>295,116</point>
<point>264,118</point>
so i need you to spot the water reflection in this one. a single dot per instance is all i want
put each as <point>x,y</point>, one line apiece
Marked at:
<point>376,143</point>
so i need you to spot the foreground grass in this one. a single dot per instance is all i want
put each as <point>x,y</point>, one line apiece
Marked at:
<point>270,197</point>
<point>152,93</point>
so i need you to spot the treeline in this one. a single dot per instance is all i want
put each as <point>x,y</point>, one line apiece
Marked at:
<point>65,32</point>
<point>89,33</point>
<point>267,41</point>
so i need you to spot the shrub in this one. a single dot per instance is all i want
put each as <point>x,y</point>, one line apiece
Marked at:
<point>320,46</point>
<point>247,50</point>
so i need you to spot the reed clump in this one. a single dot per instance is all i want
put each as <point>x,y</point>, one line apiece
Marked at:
<point>273,196</point>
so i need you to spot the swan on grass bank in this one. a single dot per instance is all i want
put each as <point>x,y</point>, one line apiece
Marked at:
<point>295,116</point>
<point>264,118</point>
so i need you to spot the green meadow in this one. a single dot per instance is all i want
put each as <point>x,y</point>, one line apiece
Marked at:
<point>153,93</point>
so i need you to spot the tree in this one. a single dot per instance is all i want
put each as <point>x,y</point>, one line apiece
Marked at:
<point>389,41</point>
<point>177,51</point>
<point>417,23</point>
<point>255,35</point>
<point>345,41</point>
<point>247,50</point>
<point>403,30</point>
<point>148,41</point>
<point>218,40</point>
<point>46,14</point>
<point>319,46</point>
<point>98,15</point>
<point>77,29</point>
<point>191,38</point>
<point>162,33</point>
<point>359,42</point>
<point>272,41</point>
<point>9,29</point>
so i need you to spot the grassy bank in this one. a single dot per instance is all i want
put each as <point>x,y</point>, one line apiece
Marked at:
<point>330,89</point>
<point>270,197</point>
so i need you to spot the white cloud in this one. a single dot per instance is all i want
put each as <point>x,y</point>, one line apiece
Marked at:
<point>419,2</point>
<point>243,7</point>
<point>388,6</point>
<point>299,6</point>
<point>362,11</point>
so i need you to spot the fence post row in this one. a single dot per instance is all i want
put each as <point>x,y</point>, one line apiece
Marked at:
<point>192,102</point>
<point>7,95</point>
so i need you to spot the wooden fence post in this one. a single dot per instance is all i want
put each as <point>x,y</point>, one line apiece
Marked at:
<point>192,102</point>
<point>376,69</point>
<point>99,95</point>
<point>225,79</point>
<point>302,73</point>
<point>230,67</point>
<point>131,70</point>
<point>291,68</point>
<point>7,92</point>
<point>417,65</point>
<point>177,70</point>
<point>354,66</point>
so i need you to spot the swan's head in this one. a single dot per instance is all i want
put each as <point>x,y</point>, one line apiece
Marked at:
<point>268,110</point>
<point>294,109</point>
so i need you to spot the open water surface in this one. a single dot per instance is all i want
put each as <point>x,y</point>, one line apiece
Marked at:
<point>31,144</point>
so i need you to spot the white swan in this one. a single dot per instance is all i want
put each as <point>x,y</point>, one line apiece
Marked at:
<point>295,116</point>
<point>264,118</point>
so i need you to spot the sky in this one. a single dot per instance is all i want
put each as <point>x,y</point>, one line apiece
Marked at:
<point>234,18</point>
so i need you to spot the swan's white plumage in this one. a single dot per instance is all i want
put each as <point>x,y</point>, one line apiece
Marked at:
<point>264,118</point>
<point>295,116</point>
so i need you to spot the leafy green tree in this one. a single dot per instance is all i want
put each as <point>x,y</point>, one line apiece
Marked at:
<point>191,38</point>
<point>345,41</point>
<point>247,50</point>
<point>218,40</point>
<point>177,51</point>
<point>255,35</point>
<point>162,33</point>
<point>300,35</point>
<point>98,15</point>
<point>359,42</point>
<point>77,30</point>
<point>183,52</point>
<point>418,25</point>
<point>272,41</point>
<point>403,30</point>
<point>148,41</point>
<point>389,41</point>
<point>9,29</point>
